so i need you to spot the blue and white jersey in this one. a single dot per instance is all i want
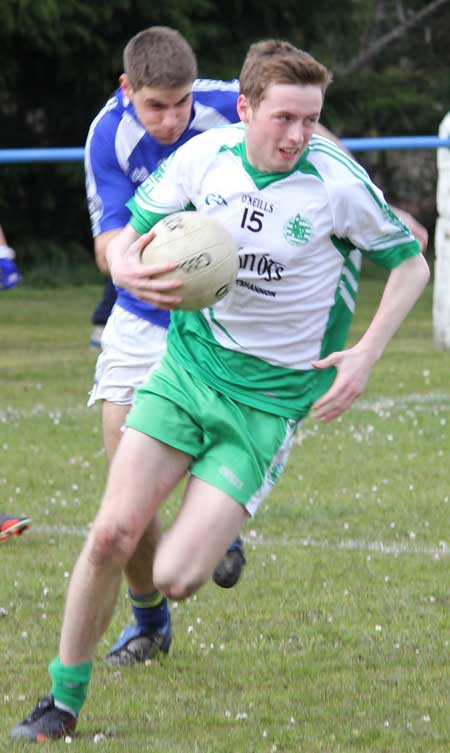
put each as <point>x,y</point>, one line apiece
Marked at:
<point>120,155</point>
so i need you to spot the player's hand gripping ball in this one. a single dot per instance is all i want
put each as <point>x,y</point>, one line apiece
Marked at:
<point>205,254</point>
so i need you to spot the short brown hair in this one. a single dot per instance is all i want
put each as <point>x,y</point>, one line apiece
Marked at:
<point>274,61</point>
<point>160,57</point>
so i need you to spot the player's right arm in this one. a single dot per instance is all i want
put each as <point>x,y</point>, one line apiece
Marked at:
<point>123,257</point>
<point>166,190</point>
<point>108,188</point>
<point>101,243</point>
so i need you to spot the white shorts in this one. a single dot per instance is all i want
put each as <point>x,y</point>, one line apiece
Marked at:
<point>131,346</point>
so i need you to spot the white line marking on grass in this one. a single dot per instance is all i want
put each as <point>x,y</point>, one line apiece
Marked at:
<point>421,400</point>
<point>73,532</point>
<point>11,413</point>
<point>376,404</point>
<point>348,545</point>
<point>380,547</point>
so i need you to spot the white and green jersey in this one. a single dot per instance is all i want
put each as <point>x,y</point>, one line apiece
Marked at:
<point>300,237</point>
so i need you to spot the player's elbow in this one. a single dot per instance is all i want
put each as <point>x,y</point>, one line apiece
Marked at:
<point>417,270</point>
<point>100,260</point>
<point>423,270</point>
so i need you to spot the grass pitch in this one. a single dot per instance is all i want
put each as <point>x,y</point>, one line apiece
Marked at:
<point>337,637</point>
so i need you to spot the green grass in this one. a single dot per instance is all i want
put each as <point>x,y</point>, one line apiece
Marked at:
<point>337,637</point>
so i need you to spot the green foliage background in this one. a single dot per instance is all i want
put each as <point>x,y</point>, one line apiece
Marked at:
<point>60,60</point>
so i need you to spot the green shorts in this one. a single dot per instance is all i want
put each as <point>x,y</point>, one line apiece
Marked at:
<point>236,448</point>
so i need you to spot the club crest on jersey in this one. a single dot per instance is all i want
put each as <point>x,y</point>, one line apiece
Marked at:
<point>298,230</point>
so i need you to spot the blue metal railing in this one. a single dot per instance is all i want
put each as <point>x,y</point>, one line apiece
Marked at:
<point>63,154</point>
<point>72,154</point>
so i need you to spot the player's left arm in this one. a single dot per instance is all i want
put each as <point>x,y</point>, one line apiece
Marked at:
<point>404,286</point>
<point>418,230</point>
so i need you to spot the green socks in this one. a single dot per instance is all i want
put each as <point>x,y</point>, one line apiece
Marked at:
<point>70,684</point>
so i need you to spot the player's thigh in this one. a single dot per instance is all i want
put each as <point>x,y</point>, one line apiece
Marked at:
<point>113,419</point>
<point>207,522</point>
<point>142,474</point>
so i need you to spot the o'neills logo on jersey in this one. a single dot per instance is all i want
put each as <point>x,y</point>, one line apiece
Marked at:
<point>298,230</point>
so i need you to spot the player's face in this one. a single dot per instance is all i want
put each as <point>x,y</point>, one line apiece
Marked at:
<point>164,112</point>
<point>278,130</point>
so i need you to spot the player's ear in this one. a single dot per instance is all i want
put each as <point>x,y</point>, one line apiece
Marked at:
<point>125,85</point>
<point>243,108</point>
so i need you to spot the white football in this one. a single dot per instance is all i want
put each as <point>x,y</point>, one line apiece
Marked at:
<point>205,254</point>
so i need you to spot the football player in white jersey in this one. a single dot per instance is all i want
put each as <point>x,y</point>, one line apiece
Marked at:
<point>224,403</point>
<point>158,107</point>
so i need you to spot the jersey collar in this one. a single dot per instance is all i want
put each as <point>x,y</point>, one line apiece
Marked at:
<point>263,179</point>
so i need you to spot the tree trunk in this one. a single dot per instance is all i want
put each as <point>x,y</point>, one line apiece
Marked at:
<point>386,40</point>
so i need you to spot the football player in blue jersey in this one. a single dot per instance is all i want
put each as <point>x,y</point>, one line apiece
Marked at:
<point>159,105</point>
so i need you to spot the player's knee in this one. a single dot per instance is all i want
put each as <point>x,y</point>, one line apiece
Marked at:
<point>177,583</point>
<point>178,589</point>
<point>110,542</point>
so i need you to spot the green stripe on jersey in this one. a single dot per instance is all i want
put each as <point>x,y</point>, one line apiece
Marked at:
<point>250,380</point>
<point>142,220</point>
<point>320,144</point>
<point>356,170</point>
<point>391,257</point>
